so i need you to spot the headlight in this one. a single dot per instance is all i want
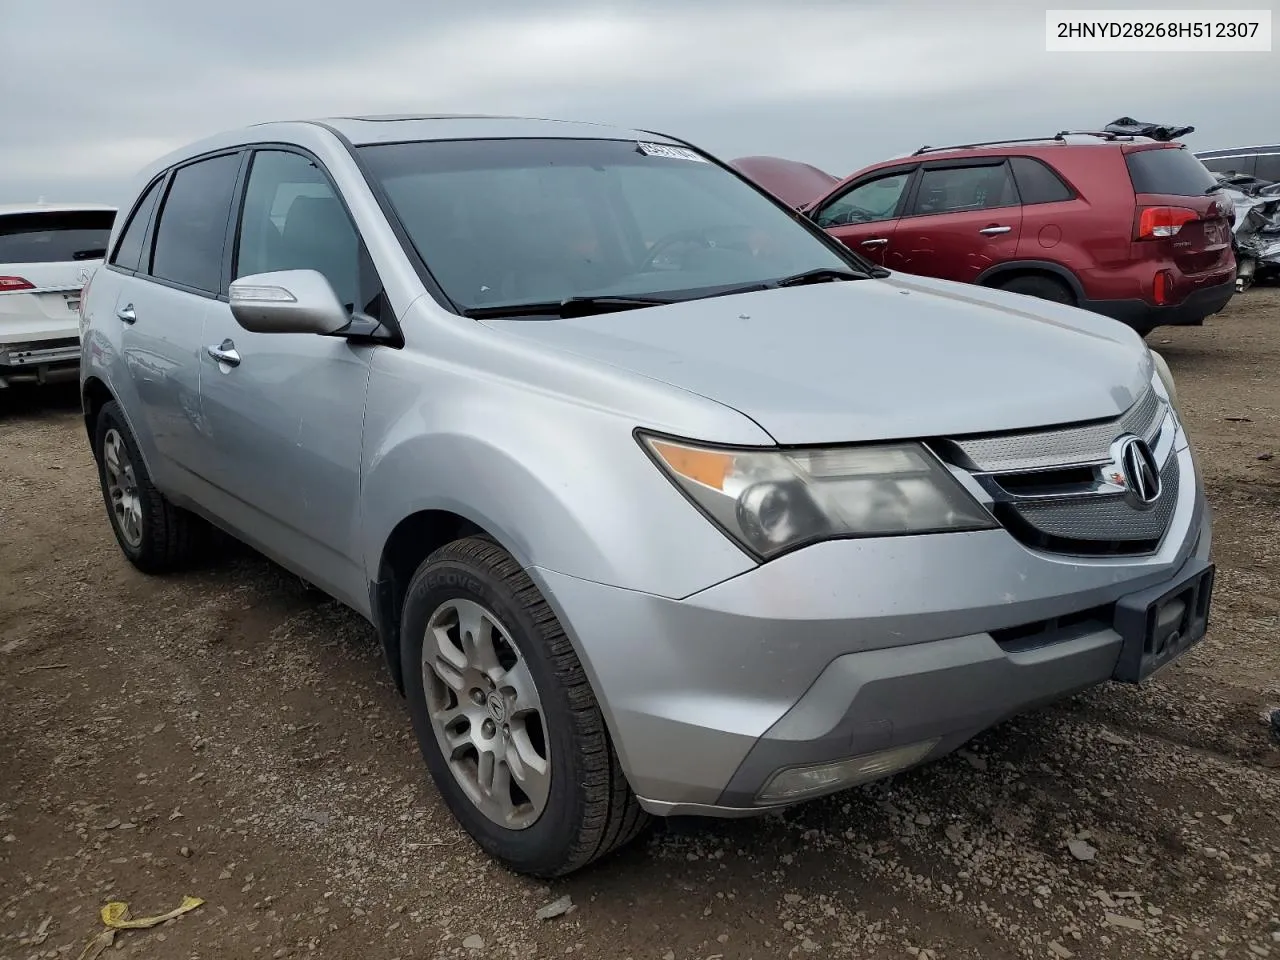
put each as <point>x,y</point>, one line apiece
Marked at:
<point>1166,377</point>
<point>774,500</point>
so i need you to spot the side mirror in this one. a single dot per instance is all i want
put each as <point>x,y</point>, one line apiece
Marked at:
<point>287,301</point>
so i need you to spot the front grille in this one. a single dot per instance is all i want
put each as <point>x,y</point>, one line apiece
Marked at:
<point>1055,490</point>
<point>1094,525</point>
<point>1045,449</point>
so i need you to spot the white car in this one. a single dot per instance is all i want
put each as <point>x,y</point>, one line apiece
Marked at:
<point>48,252</point>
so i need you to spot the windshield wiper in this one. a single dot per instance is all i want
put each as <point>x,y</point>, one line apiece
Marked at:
<point>820,275</point>
<point>569,307</point>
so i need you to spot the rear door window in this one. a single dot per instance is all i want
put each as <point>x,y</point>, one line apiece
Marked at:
<point>1037,183</point>
<point>956,189</point>
<point>129,250</point>
<point>1174,171</point>
<point>55,237</point>
<point>192,231</point>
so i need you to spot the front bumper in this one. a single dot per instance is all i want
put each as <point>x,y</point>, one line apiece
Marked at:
<point>848,648</point>
<point>1144,317</point>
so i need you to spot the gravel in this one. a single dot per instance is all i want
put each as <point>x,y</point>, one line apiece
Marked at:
<point>231,735</point>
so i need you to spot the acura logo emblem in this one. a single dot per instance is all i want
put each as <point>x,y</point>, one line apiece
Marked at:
<point>1135,469</point>
<point>497,707</point>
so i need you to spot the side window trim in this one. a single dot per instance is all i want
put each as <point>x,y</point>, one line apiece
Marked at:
<point>910,211</point>
<point>149,244</point>
<point>232,247</point>
<point>912,171</point>
<point>231,239</point>
<point>149,238</point>
<point>159,184</point>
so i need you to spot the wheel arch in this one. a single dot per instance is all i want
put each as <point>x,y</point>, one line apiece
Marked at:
<point>94,395</point>
<point>1003,272</point>
<point>585,502</point>
<point>414,538</point>
<point>405,524</point>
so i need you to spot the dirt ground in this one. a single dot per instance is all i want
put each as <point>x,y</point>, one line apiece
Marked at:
<point>230,735</point>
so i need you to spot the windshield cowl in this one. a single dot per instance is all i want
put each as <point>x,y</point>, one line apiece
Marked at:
<point>586,306</point>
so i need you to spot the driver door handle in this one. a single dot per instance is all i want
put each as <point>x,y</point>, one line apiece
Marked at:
<point>225,352</point>
<point>126,314</point>
<point>877,242</point>
<point>994,231</point>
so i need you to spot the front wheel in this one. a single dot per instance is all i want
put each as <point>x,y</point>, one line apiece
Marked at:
<point>505,717</point>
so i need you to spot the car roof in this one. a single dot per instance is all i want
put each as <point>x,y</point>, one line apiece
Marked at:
<point>15,208</point>
<point>1042,147</point>
<point>398,128</point>
<point>394,128</point>
<point>1031,146</point>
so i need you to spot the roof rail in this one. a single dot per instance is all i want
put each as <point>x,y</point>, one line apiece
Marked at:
<point>1060,136</point>
<point>1101,134</point>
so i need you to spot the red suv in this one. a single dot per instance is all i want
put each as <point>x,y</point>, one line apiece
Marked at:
<point>1124,226</point>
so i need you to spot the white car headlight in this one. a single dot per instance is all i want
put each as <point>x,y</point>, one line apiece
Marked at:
<point>771,501</point>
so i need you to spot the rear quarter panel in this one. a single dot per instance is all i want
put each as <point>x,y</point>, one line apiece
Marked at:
<point>101,351</point>
<point>1091,236</point>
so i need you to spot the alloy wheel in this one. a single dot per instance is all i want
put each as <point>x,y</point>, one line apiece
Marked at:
<point>486,713</point>
<point>122,488</point>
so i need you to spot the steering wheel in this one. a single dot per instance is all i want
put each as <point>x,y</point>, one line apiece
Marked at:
<point>700,237</point>
<point>852,215</point>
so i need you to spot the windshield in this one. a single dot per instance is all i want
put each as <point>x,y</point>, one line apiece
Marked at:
<point>509,222</point>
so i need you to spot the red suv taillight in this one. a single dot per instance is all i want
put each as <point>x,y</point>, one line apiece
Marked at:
<point>14,284</point>
<point>1155,223</point>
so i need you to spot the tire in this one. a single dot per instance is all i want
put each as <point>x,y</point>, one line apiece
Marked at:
<point>160,538</point>
<point>1042,287</point>
<point>581,807</point>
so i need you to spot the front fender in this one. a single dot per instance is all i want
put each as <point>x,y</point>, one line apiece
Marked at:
<point>561,483</point>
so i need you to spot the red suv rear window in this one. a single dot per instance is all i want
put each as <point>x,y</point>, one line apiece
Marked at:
<point>1168,170</point>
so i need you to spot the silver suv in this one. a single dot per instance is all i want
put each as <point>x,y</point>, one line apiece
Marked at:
<point>661,501</point>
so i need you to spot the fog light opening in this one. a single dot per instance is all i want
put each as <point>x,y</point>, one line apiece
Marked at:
<point>794,783</point>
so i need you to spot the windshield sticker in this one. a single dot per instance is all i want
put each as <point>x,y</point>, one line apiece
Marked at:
<point>670,152</point>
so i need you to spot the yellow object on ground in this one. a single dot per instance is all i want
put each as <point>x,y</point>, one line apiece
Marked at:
<point>116,916</point>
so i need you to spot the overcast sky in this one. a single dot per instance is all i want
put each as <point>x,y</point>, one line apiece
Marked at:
<point>94,90</point>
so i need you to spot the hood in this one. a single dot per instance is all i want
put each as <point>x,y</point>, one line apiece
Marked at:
<point>792,182</point>
<point>904,357</point>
